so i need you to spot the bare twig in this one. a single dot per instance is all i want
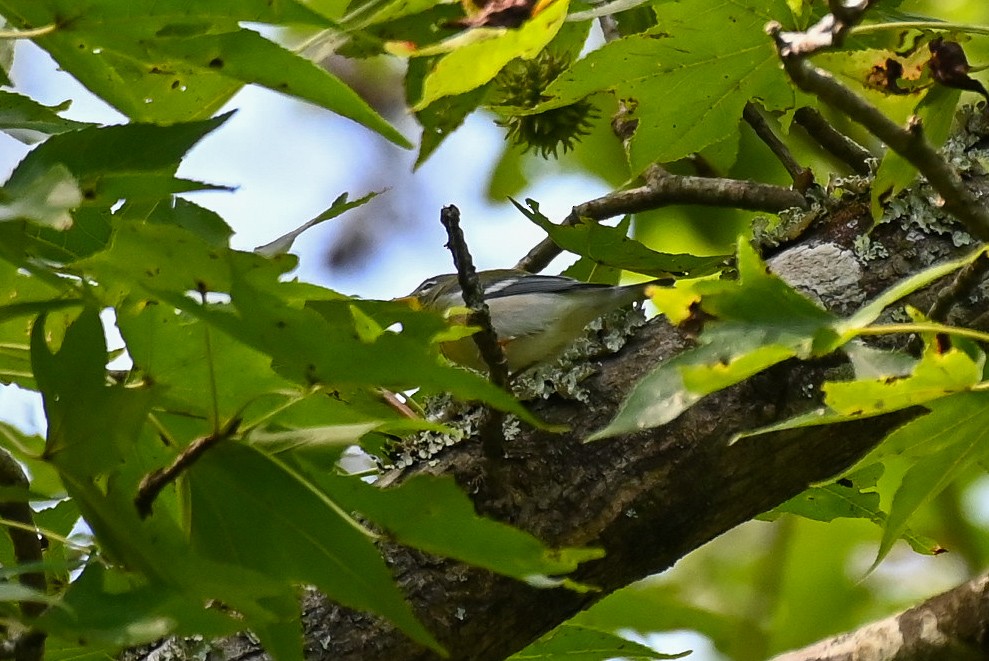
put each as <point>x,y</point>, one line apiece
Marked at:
<point>802,177</point>
<point>486,339</point>
<point>152,483</point>
<point>908,143</point>
<point>834,141</point>
<point>662,189</point>
<point>27,549</point>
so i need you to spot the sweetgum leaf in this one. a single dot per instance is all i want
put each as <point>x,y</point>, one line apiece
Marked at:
<point>753,323</point>
<point>954,437</point>
<point>105,607</point>
<point>476,56</point>
<point>687,57</point>
<point>854,496</point>
<point>72,381</point>
<point>169,60</point>
<point>434,515</point>
<point>306,536</point>
<point>29,121</point>
<point>935,375</point>
<point>581,643</point>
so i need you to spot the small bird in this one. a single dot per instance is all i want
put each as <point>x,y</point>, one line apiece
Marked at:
<point>535,316</point>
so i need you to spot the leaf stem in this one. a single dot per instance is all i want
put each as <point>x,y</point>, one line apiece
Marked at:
<point>890,329</point>
<point>11,523</point>
<point>918,25</point>
<point>212,377</point>
<point>30,33</point>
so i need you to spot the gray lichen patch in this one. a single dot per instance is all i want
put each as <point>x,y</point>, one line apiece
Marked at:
<point>826,272</point>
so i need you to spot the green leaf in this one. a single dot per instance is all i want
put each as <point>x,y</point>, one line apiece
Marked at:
<point>72,381</point>
<point>936,375</point>
<point>61,649</point>
<point>434,515</point>
<point>171,61</point>
<point>105,164</point>
<point>306,537</point>
<point>283,244</point>
<point>202,222</point>
<point>160,257</point>
<point>476,56</point>
<point>444,116</point>
<point>647,607</point>
<point>756,322</point>
<point>611,246</point>
<point>584,644</point>
<point>108,607</point>
<point>198,367</point>
<point>712,58</point>
<point>332,439</point>
<point>318,343</point>
<point>854,496</point>
<point>954,436</point>
<point>24,118</point>
<point>47,200</point>
<point>247,57</point>
<point>15,592</point>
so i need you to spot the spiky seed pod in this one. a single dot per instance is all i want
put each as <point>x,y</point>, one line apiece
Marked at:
<point>521,85</point>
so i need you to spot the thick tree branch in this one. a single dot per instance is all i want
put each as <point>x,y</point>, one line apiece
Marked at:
<point>649,498</point>
<point>952,625</point>
<point>27,550</point>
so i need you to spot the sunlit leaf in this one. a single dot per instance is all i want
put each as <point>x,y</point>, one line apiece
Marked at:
<point>170,61</point>
<point>284,243</point>
<point>29,121</point>
<point>476,56</point>
<point>755,322</point>
<point>711,57</point>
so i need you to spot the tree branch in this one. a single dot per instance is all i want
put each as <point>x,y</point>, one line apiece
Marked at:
<point>951,625</point>
<point>27,549</point>
<point>663,189</point>
<point>834,141</point>
<point>802,177</point>
<point>908,143</point>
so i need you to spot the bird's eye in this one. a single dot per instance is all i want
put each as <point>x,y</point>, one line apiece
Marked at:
<point>426,286</point>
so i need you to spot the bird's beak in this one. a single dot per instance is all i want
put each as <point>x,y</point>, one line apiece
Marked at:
<point>412,301</point>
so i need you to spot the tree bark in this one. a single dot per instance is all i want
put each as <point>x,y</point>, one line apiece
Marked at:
<point>651,497</point>
<point>952,625</point>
